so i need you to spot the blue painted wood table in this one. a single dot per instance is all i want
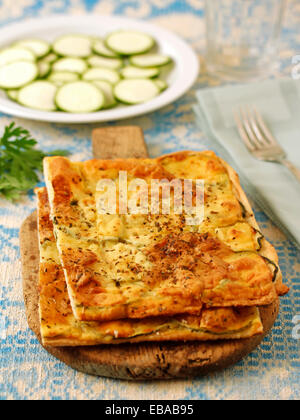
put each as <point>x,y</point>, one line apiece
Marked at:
<point>26,370</point>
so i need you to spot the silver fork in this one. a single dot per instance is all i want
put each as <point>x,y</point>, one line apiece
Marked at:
<point>259,139</point>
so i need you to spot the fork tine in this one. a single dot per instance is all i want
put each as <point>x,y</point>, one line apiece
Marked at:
<point>256,128</point>
<point>243,132</point>
<point>248,127</point>
<point>266,132</point>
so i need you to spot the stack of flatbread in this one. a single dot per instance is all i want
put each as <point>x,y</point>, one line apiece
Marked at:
<point>116,277</point>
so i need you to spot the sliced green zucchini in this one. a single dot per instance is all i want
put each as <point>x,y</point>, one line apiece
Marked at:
<point>240,237</point>
<point>102,74</point>
<point>100,48</point>
<point>44,69</point>
<point>104,62</point>
<point>73,65</point>
<point>244,210</point>
<point>12,94</point>
<point>38,95</point>
<point>107,89</point>
<point>63,77</point>
<point>10,55</point>
<point>129,42</point>
<point>273,267</point>
<point>131,72</point>
<point>38,47</point>
<point>136,91</point>
<point>150,60</point>
<point>50,58</point>
<point>162,85</point>
<point>79,46</point>
<point>57,84</point>
<point>18,74</point>
<point>80,97</point>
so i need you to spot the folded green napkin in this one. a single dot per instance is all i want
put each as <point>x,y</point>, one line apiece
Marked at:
<point>270,185</point>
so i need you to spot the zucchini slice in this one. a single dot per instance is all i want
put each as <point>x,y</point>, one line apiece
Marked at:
<point>244,211</point>
<point>73,65</point>
<point>240,237</point>
<point>100,48</point>
<point>12,94</point>
<point>18,74</point>
<point>136,91</point>
<point>79,97</point>
<point>10,55</point>
<point>150,60</point>
<point>44,69</point>
<point>38,47</point>
<point>79,46</point>
<point>129,42</point>
<point>108,91</point>
<point>63,77</point>
<point>38,95</point>
<point>109,75</point>
<point>162,85</point>
<point>50,58</point>
<point>104,62</point>
<point>131,72</point>
<point>273,267</point>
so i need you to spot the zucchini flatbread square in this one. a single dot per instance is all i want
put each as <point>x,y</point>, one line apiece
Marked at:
<point>59,327</point>
<point>144,265</point>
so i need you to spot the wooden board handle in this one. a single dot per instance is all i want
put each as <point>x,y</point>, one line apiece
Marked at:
<point>119,142</point>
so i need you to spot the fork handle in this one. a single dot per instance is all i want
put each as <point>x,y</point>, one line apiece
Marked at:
<point>295,171</point>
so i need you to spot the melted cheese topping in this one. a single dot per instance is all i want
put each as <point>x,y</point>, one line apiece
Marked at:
<point>108,259</point>
<point>59,327</point>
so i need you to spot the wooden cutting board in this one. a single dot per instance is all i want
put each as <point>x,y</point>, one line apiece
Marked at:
<point>131,361</point>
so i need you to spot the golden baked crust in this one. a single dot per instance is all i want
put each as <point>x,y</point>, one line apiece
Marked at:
<point>59,327</point>
<point>266,249</point>
<point>245,235</point>
<point>113,263</point>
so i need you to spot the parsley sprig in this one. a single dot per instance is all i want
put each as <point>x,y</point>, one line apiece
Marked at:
<point>20,162</point>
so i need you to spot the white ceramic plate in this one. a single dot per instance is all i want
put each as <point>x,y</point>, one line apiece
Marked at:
<point>180,79</point>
